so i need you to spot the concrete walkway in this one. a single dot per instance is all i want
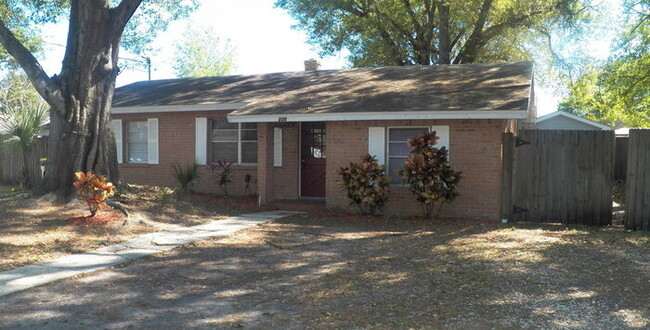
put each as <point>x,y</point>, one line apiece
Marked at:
<point>45,272</point>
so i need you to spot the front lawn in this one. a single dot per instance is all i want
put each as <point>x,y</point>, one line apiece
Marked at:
<point>332,271</point>
<point>38,229</point>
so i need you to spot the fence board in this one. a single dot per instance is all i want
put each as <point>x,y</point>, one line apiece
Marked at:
<point>637,194</point>
<point>11,162</point>
<point>620,167</point>
<point>563,176</point>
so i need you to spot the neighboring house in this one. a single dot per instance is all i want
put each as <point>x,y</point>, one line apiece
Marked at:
<point>292,131</point>
<point>623,131</point>
<point>565,121</point>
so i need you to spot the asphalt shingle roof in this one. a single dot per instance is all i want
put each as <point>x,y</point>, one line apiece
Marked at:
<point>466,87</point>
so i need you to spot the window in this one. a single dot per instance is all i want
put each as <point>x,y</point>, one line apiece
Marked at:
<point>313,140</point>
<point>137,142</point>
<point>398,150</point>
<point>234,142</point>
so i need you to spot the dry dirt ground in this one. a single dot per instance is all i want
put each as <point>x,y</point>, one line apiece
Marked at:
<point>329,271</point>
<point>39,229</point>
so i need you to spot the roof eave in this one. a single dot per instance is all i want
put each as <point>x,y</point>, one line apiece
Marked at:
<point>177,108</point>
<point>402,115</point>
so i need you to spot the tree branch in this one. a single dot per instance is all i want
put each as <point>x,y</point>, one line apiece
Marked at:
<point>43,84</point>
<point>123,13</point>
<point>473,44</point>
<point>411,14</point>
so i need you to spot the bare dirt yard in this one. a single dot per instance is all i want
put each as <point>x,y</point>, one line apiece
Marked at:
<point>333,271</point>
<point>39,229</point>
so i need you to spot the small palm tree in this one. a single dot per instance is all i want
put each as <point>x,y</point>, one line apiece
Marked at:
<point>23,126</point>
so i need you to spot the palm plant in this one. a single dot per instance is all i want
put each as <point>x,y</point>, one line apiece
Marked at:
<point>22,126</point>
<point>186,176</point>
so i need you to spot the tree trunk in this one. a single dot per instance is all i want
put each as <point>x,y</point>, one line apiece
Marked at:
<point>81,137</point>
<point>444,47</point>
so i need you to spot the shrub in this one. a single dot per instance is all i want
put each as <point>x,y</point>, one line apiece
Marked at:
<point>94,190</point>
<point>223,176</point>
<point>166,198</point>
<point>186,177</point>
<point>365,185</point>
<point>428,173</point>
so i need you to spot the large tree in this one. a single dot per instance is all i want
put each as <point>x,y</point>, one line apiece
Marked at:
<point>201,53</point>
<point>80,95</point>
<point>618,93</point>
<point>403,32</point>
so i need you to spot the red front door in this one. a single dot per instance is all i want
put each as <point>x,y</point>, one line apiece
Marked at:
<point>312,159</point>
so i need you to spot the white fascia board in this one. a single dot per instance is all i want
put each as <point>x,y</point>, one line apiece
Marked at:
<point>178,108</point>
<point>402,115</point>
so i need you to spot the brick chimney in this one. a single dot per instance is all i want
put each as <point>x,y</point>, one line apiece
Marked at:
<point>312,64</point>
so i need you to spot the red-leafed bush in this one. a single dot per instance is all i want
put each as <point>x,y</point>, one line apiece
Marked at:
<point>428,173</point>
<point>224,168</point>
<point>94,190</point>
<point>365,184</point>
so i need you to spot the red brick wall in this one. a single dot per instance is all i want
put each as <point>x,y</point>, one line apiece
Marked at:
<point>176,145</point>
<point>475,149</point>
<point>281,182</point>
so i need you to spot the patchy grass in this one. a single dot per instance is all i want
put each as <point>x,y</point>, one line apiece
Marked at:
<point>363,273</point>
<point>330,271</point>
<point>34,230</point>
<point>9,191</point>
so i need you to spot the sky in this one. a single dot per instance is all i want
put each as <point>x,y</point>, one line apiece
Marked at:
<point>262,36</point>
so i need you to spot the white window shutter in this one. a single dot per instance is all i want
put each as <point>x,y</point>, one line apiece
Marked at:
<point>152,131</point>
<point>277,146</point>
<point>377,143</point>
<point>443,133</point>
<point>117,130</point>
<point>201,141</point>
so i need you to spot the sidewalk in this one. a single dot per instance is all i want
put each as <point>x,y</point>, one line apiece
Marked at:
<point>45,272</point>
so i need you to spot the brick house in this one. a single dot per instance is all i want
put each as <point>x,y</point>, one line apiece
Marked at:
<point>292,131</point>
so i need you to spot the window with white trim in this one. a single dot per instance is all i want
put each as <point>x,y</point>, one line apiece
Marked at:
<point>137,142</point>
<point>236,142</point>
<point>398,149</point>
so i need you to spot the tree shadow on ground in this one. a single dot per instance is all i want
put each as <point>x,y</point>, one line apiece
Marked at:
<point>325,271</point>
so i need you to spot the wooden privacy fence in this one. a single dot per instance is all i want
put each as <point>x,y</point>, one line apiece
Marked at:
<point>11,162</point>
<point>620,160</point>
<point>637,183</point>
<point>559,176</point>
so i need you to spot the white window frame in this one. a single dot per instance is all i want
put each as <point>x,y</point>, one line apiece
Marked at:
<point>128,142</point>
<point>120,128</point>
<point>239,142</point>
<point>387,147</point>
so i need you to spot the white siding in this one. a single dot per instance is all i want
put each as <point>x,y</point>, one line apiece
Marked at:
<point>564,123</point>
